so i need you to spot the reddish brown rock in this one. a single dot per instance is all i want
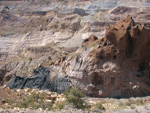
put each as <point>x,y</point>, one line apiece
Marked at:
<point>89,40</point>
<point>116,65</point>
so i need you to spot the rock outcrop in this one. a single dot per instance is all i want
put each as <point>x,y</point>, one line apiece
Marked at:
<point>36,23</point>
<point>42,80</point>
<point>116,65</point>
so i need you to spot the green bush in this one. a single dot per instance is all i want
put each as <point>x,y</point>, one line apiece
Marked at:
<point>74,96</point>
<point>93,44</point>
<point>30,59</point>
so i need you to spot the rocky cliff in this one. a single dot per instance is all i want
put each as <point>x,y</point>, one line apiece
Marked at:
<point>113,62</point>
<point>116,65</point>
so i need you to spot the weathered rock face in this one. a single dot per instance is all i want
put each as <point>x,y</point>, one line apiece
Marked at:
<point>105,67</point>
<point>116,65</point>
<point>41,80</point>
<point>36,23</point>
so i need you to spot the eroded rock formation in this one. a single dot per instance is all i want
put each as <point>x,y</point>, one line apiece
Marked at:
<point>41,79</point>
<point>116,65</point>
<point>36,23</point>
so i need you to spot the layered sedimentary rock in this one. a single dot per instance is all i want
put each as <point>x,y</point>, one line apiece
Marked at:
<point>117,65</point>
<point>35,23</point>
<point>39,70</point>
<point>41,80</point>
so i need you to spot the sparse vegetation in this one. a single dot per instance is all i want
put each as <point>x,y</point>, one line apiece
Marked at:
<point>129,102</point>
<point>74,97</point>
<point>35,101</point>
<point>140,102</point>
<point>30,59</point>
<point>60,105</point>
<point>99,105</point>
<point>93,44</point>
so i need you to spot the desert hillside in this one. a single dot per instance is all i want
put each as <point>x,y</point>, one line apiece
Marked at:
<point>75,56</point>
<point>35,23</point>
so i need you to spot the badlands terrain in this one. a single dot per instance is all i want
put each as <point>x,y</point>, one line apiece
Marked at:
<point>98,46</point>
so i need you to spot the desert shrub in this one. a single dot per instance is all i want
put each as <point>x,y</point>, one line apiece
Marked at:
<point>30,59</point>
<point>74,96</point>
<point>35,101</point>
<point>99,105</point>
<point>93,44</point>
<point>121,105</point>
<point>130,102</point>
<point>140,102</point>
<point>60,105</point>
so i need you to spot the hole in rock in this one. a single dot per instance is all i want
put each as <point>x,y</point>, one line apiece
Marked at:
<point>114,57</point>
